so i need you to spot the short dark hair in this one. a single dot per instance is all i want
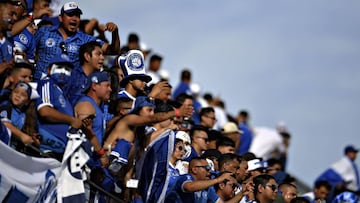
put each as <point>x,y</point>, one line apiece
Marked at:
<point>133,37</point>
<point>261,180</point>
<point>322,183</point>
<point>87,48</point>
<point>224,158</point>
<point>155,57</point>
<point>197,128</point>
<point>182,97</point>
<point>206,110</point>
<point>225,141</point>
<point>185,74</point>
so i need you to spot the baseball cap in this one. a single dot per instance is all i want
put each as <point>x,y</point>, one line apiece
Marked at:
<point>230,127</point>
<point>96,77</point>
<point>70,7</point>
<point>255,164</point>
<point>30,89</point>
<point>133,67</point>
<point>140,102</point>
<point>351,148</point>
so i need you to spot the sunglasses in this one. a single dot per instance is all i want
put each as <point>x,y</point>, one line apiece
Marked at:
<point>273,187</point>
<point>180,148</point>
<point>204,138</point>
<point>63,47</point>
<point>207,167</point>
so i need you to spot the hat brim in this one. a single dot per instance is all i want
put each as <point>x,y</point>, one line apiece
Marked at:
<point>141,77</point>
<point>73,11</point>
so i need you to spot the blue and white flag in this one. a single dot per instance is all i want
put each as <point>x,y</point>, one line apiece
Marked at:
<point>73,171</point>
<point>154,177</point>
<point>27,179</point>
<point>344,170</point>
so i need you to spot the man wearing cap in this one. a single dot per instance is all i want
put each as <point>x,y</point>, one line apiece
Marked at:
<point>343,174</point>
<point>65,38</point>
<point>55,113</point>
<point>135,77</point>
<point>97,91</point>
<point>231,131</point>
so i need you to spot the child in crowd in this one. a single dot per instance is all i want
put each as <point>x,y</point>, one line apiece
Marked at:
<point>18,115</point>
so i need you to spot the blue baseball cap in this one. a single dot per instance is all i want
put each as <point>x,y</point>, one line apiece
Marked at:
<point>350,148</point>
<point>96,77</point>
<point>140,102</point>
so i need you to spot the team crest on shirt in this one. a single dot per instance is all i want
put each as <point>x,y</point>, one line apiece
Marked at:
<point>72,48</point>
<point>3,114</point>
<point>62,101</point>
<point>10,49</point>
<point>135,62</point>
<point>50,42</point>
<point>23,38</point>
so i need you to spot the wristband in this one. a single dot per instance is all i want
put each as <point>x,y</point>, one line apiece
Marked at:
<point>177,112</point>
<point>31,17</point>
<point>101,152</point>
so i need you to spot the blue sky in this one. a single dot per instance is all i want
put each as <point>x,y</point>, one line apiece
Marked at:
<point>292,61</point>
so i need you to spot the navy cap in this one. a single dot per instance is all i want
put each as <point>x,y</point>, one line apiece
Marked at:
<point>140,102</point>
<point>96,77</point>
<point>71,7</point>
<point>350,148</point>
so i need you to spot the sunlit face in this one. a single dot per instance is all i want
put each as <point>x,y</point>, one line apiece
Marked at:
<point>19,97</point>
<point>202,139</point>
<point>179,150</point>
<point>22,74</point>
<point>268,192</point>
<point>243,170</point>
<point>208,120</point>
<point>321,193</point>
<point>70,22</point>
<point>165,94</point>
<point>289,194</point>
<point>202,170</point>
<point>103,90</point>
<point>146,111</point>
<point>8,18</point>
<point>97,58</point>
<point>138,85</point>
<point>232,166</point>
<point>229,188</point>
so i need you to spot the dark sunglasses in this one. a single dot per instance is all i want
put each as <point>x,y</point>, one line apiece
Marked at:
<point>180,148</point>
<point>207,167</point>
<point>205,139</point>
<point>63,47</point>
<point>234,186</point>
<point>273,187</point>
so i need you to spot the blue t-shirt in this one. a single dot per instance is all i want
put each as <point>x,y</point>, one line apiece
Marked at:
<point>245,139</point>
<point>75,88</point>
<point>52,95</point>
<point>6,49</point>
<point>173,175</point>
<point>26,42</point>
<point>177,194</point>
<point>98,122</point>
<point>48,39</point>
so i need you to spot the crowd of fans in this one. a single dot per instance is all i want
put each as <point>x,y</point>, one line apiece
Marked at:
<point>56,74</point>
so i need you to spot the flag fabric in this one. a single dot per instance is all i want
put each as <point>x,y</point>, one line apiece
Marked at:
<point>25,178</point>
<point>73,170</point>
<point>154,178</point>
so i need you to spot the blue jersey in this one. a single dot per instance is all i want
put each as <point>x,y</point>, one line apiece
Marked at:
<point>181,88</point>
<point>245,139</point>
<point>6,50</point>
<point>11,114</point>
<point>53,133</point>
<point>74,90</point>
<point>177,194</point>
<point>173,175</point>
<point>98,122</point>
<point>48,39</point>
<point>26,42</point>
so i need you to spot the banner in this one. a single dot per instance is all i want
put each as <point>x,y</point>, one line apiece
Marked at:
<point>27,179</point>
